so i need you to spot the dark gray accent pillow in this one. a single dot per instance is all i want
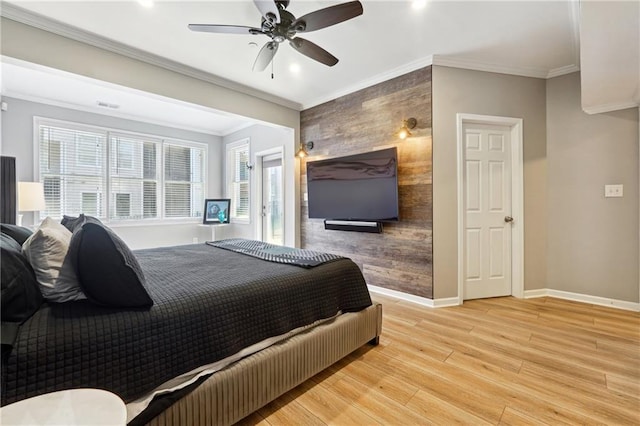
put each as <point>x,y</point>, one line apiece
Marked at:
<point>109,273</point>
<point>21,295</point>
<point>18,233</point>
<point>72,222</point>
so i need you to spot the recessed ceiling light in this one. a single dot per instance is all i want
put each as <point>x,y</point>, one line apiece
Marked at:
<point>418,4</point>
<point>295,68</point>
<point>146,3</point>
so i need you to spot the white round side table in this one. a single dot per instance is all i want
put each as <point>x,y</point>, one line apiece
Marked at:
<point>69,407</point>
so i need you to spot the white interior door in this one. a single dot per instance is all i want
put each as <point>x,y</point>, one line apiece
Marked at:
<point>487,196</point>
<point>272,200</point>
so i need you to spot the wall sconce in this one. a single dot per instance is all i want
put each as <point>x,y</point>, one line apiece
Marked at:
<point>407,125</point>
<point>30,198</point>
<point>304,147</point>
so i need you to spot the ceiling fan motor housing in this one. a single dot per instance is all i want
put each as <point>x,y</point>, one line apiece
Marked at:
<point>282,31</point>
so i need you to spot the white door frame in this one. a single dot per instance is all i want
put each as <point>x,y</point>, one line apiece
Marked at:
<point>257,161</point>
<point>517,199</point>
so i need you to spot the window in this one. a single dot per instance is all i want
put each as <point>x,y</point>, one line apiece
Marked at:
<point>124,153</point>
<point>135,172</point>
<point>88,147</point>
<point>90,203</point>
<point>184,180</point>
<point>118,175</point>
<point>71,163</point>
<point>123,206</point>
<point>238,188</point>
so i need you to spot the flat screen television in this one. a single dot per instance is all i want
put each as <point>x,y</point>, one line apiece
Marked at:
<point>361,187</point>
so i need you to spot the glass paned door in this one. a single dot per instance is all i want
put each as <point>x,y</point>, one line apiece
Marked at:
<point>272,201</point>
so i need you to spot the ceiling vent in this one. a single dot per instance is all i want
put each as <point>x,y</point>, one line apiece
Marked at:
<point>107,105</point>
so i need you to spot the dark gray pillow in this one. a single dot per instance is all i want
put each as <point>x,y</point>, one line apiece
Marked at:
<point>72,222</point>
<point>18,233</point>
<point>109,273</point>
<point>21,295</point>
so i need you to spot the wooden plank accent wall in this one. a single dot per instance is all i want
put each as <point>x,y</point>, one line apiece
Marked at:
<point>401,257</point>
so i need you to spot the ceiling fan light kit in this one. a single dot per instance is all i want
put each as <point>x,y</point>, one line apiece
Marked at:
<point>281,25</point>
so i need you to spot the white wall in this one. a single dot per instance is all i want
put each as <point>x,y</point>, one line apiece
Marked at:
<point>18,141</point>
<point>264,138</point>
<point>609,55</point>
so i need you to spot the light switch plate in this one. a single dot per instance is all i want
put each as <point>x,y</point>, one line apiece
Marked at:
<point>613,191</point>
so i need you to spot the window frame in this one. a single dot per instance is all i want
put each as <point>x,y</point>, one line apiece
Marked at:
<point>106,176</point>
<point>229,177</point>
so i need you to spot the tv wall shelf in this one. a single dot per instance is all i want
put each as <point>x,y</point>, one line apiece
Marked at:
<point>354,226</point>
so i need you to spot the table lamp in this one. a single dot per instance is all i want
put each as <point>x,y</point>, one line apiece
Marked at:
<point>30,198</point>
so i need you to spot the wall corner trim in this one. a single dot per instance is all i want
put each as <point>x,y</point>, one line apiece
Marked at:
<point>584,298</point>
<point>423,301</point>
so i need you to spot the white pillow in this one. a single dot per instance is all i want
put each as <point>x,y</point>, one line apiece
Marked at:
<point>47,250</point>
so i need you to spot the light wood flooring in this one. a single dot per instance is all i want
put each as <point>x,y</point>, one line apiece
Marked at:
<point>492,361</point>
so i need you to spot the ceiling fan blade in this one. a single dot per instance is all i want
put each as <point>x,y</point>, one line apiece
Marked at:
<point>265,56</point>
<point>328,16</point>
<point>224,29</point>
<point>313,51</point>
<point>269,10</point>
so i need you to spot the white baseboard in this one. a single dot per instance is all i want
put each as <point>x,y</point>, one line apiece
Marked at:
<point>431,303</point>
<point>528,294</point>
<point>585,298</point>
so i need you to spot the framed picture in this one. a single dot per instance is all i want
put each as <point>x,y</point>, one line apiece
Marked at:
<point>216,211</point>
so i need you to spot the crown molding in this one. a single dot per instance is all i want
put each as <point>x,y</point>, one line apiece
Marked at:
<point>111,113</point>
<point>445,61</point>
<point>472,64</point>
<point>379,78</point>
<point>24,16</point>
<point>568,69</point>
<point>598,109</point>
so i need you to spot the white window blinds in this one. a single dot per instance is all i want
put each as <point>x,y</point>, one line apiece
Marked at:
<point>238,187</point>
<point>72,163</point>
<point>117,175</point>
<point>134,176</point>
<point>184,181</point>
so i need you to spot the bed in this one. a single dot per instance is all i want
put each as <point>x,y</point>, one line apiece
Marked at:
<point>236,330</point>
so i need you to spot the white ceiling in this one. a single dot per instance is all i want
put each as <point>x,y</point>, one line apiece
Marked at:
<point>40,84</point>
<point>531,38</point>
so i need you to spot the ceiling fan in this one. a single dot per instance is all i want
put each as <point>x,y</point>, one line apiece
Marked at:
<point>280,25</point>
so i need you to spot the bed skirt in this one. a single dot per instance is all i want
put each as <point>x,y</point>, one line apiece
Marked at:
<point>251,383</point>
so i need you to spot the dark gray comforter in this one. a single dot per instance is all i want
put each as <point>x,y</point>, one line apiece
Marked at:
<point>209,304</point>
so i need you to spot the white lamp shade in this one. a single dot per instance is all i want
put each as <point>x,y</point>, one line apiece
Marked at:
<point>30,196</point>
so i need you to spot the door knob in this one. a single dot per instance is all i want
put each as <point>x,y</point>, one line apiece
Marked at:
<point>508,219</point>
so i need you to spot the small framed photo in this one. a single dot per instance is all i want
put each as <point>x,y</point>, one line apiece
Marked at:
<point>216,211</point>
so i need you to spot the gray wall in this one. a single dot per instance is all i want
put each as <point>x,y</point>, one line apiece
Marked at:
<point>18,141</point>
<point>592,240</point>
<point>263,138</point>
<point>474,92</point>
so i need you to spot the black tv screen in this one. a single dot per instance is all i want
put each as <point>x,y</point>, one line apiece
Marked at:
<point>362,187</point>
